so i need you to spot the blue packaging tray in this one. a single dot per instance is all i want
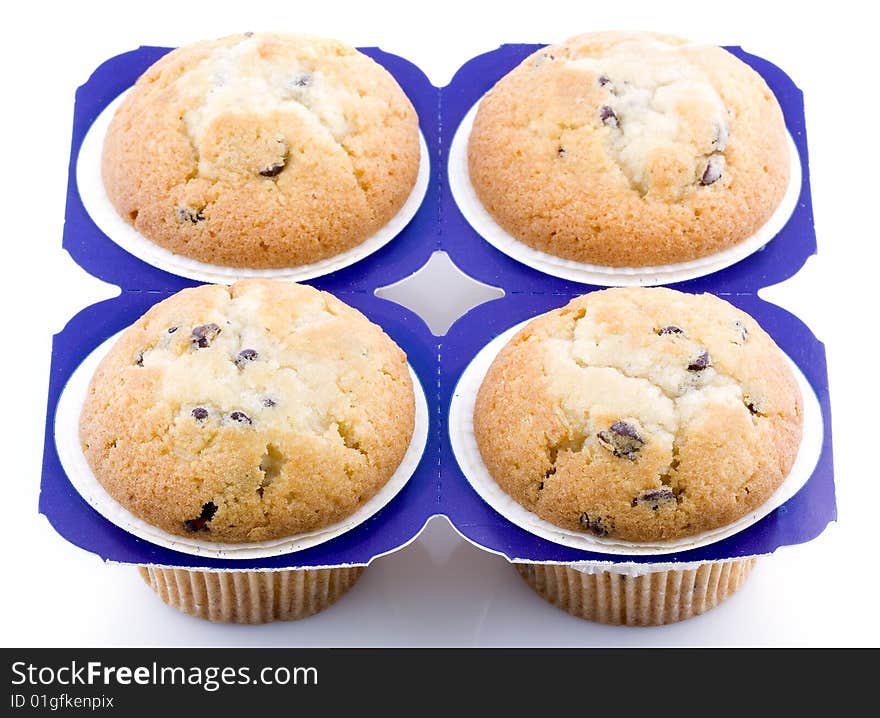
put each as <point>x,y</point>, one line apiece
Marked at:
<point>438,486</point>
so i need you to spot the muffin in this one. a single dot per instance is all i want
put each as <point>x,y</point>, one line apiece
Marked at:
<point>640,415</point>
<point>261,151</point>
<point>248,413</point>
<point>630,149</point>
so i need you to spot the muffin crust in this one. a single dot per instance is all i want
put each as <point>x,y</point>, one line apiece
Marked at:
<point>262,150</point>
<point>640,414</point>
<point>630,150</point>
<point>248,413</point>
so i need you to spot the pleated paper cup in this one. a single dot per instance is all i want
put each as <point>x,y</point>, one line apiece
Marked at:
<point>250,596</point>
<point>644,597</point>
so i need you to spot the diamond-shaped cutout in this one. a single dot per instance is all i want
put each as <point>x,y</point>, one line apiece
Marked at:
<point>439,292</point>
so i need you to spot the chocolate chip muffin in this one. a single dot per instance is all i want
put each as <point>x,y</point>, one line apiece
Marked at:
<point>640,414</point>
<point>248,413</point>
<point>629,149</point>
<point>262,151</point>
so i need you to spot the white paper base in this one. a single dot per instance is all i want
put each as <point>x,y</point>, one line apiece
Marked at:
<point>82,477</point>
<point>101,210</point>
<point>637,569</point>
<point>483,222</point>
<point>464,445</point>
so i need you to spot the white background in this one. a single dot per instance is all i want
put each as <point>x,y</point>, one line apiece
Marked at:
<point>439,590</point>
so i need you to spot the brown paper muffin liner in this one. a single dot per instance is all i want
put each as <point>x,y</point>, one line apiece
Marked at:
<point>250,596</point>
<point>651,599</point>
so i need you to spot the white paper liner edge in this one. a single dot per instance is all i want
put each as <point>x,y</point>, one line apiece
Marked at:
<point>464,446</point>
<point>94,198</point>
<point>479,218</point>
<point>627,568</point>
<point>636,569</point>
<point>86,484</point>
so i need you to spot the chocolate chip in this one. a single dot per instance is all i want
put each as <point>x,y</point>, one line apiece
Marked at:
<point>240,417</point>
<point>303,79</point>
<point>598,526</point>
<point>671,329</point>
<point>701,362</point>
<point>245,356</point>
<point>275,169</point>
<point>622,440</point>
<point>188,214</point>
<point>171,330</point>
<point>200,413</point>
<point>654,497</point>
<point>541,59</point>
<point>268,402</point>
<point>752,406</point>
<point>606,83</point>
<point>204,334</point>
<point>201,523</point>
<point>714,167</point>
<point>743,331</point>
<point>621,428</point>
<point>608,116</point>
<point>561,152</point>
<point>139,359</point>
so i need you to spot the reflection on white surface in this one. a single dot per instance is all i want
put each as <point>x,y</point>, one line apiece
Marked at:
<point>438,591</point>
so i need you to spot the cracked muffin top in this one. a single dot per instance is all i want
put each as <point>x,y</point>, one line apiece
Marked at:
<point>630,150</point>
<point>248,413</point>
<point>262,150</point>
<point>640,414</point>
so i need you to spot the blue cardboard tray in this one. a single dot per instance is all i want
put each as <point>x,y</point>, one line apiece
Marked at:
<point>438,486</point>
